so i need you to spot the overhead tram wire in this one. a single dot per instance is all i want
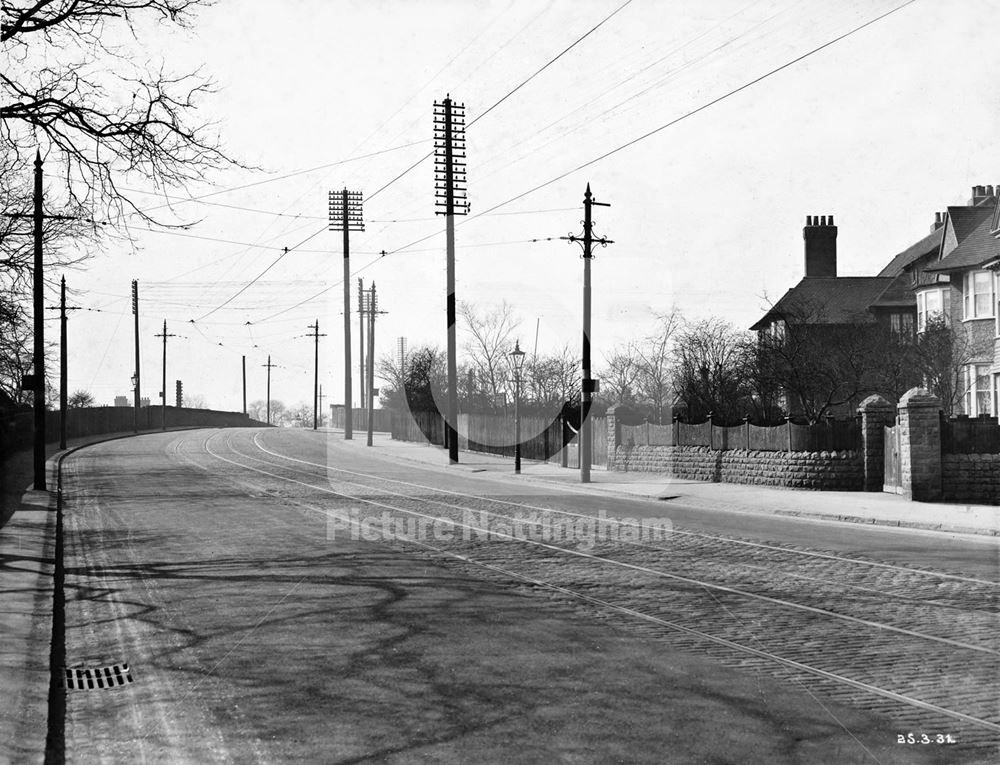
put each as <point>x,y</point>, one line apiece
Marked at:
<point>429,154</point>
<point>671,123</point>
<point>293,174</point>
<point>513,90</point>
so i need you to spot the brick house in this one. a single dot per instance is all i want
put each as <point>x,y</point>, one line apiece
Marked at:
<point>952,273</point>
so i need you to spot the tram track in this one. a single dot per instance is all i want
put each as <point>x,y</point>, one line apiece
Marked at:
<point>704,612</point>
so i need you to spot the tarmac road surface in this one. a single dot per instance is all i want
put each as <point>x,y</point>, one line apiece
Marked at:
<point>221,568</point>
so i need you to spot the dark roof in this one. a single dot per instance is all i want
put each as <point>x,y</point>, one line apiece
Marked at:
<point>828,300</point>
<point>899,294</point>
<point>975,243</point>
<point>930,243</point>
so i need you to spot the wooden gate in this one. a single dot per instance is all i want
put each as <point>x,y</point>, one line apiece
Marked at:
<point>893,481</point>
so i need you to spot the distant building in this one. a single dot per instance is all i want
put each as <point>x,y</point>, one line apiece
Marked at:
<point>127,401</point>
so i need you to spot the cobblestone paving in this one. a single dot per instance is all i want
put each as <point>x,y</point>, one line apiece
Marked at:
<point>925,635</point>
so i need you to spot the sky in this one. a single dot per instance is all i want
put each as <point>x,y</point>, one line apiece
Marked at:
<point>708,192</point>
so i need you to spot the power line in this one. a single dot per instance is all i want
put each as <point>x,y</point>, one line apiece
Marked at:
<point>552,60</point>
<point>691,113</point>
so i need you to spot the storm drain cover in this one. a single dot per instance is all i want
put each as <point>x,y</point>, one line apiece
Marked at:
<point>91,678</point>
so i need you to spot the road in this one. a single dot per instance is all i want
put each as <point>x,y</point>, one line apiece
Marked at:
<point>243,577</point>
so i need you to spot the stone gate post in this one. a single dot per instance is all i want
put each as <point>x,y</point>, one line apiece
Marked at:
<point>920,444</point>
<point>876,415</point>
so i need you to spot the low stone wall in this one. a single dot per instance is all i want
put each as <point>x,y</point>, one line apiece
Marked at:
<point>800,470</point>
<point>971,477</point>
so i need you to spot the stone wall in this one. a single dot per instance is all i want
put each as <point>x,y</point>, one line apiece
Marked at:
<point>971,478</point>
<point>800,470</point>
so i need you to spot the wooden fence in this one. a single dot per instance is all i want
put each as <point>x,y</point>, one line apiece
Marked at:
<point>829,435</point>
<point>970,435</point>
<point>359,419</point>
<point>541,439</point>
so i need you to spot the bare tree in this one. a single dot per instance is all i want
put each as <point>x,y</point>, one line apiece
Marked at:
<point>940,356</point>
<point>621,373</point>
<point>489,339</point>
<point>709,362</point>
<point>654,384</point>
<point>553,379</point>
<point>77,84</point>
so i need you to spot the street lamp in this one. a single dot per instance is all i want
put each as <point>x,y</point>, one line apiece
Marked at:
<point>517,363</point>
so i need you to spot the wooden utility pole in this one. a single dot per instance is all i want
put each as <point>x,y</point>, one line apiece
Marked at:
<point>63,360</point>
<point>163,393</point>
<point>345,215</point>
<point>451,194</point>
<point>38,355</point>
<point>373,311</point>
<point>136,378</point>
<point>244,385</point>
<point>589,385</point>
<point>361,338</point>
<point>316,336</point>
<point>269,366</point>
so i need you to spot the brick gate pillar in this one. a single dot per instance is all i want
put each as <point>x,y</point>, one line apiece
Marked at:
<point>920,444</point>
<point>876,415</point>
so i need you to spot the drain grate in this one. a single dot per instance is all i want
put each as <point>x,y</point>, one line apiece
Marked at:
<point>91,678</point>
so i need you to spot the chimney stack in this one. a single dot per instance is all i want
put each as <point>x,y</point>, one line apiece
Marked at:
<point>939,220</point>
<point>981,194</point>
<point>820,236</point>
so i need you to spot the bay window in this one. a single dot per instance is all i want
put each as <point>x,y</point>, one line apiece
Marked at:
<point>978,295</point>
<point>931,303</point>
<point>978,396</point>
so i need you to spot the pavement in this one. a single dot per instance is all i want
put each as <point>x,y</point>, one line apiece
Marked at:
<point>877,508</point>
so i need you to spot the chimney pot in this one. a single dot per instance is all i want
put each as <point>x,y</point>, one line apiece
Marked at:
<point>989,191</point>
<point>830,219</point>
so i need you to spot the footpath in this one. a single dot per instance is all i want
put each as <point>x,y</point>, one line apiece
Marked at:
<point>27,552</point>
<point>876,508</point>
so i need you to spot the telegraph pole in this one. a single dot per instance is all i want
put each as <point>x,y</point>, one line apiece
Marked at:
<point>361,338</point>
<point>269,366</point>
<point>163,393</point>
<point>244,384</point>
<point>63,362</point>
<point>135,312</point>
<point>38,388</point>
<point>451,194</point>
<point>316,336</point>
<point>373,311</point>
<point>589,384</point>
<point>345,215</point>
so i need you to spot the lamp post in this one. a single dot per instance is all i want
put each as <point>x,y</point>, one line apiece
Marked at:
<point>517,364</point>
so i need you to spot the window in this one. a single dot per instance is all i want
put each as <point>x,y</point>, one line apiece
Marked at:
<point>978,396</point>
<point>901,325</point>
<point>931,303</point>
<point>977,294</point>
<point>996,294</point>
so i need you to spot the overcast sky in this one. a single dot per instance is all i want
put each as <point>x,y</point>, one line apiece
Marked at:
<point>880,129</point>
